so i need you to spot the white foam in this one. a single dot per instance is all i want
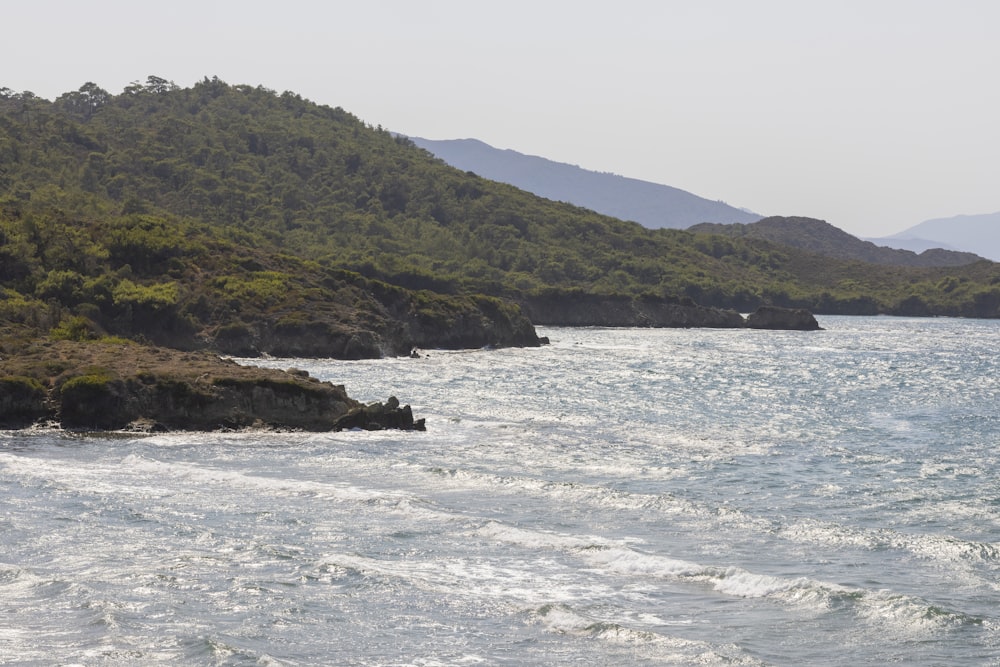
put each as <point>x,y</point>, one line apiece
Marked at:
<point>513,583</point>
<point>901,612</point>
<point>961,555</point>
<point>575,494</point>
<point>947,470</point>
<point>620,558</point>
<point>535,539</point>
<point>563,619</point>
<point>908,616</point>
<point>18,581</point>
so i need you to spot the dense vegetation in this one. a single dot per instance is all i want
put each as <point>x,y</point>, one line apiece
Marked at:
<point>231,214</point>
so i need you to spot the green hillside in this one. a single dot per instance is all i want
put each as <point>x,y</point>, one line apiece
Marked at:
<point>248,220</point>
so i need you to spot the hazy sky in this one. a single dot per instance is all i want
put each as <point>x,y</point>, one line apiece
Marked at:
<point>874,114</point>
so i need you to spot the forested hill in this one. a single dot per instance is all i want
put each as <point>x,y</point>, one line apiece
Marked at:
<point>262,221</point>
<point>823,238</point>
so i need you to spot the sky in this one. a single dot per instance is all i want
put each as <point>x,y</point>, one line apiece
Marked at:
<point>873,115</point>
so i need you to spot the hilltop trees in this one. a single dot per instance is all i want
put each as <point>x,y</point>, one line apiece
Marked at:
<point>83,103</point>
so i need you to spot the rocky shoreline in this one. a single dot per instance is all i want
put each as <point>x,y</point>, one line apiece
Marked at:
<point>115,384</point>
<point>588,310</point>
<point>109,386</point>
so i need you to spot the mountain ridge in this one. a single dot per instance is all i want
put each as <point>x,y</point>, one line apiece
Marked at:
<point>652,205</point>
<point>979,233</point>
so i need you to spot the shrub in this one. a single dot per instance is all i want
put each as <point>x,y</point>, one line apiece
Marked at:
<point>76,328</point>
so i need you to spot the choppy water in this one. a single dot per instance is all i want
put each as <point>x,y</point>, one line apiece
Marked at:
<point>622,497</point>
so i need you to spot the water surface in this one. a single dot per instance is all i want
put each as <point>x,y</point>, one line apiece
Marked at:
<point>623,496</point>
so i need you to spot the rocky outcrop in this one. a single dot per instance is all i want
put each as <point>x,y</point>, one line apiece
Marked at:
<point>429,320</point>
<point>379,416</point>
<point>580,309</point>
<point>773,317</point>
<point>407,319</point>
<point>22,401</point>
<point>101,386</point>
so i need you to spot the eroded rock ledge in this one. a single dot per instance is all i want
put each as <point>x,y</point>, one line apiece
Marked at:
<point>581,310</point>
<point>591,310</point>
<point>113,386</point>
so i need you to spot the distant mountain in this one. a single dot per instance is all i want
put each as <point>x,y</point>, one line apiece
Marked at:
<point>974,233</point>
<point>823,238</point>
<point>651,205</point>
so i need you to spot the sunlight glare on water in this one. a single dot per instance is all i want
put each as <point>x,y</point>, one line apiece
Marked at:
<point>622,496</point>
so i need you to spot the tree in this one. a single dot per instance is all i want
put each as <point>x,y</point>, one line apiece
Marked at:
<point>155,84</point>
<point>83,102</point>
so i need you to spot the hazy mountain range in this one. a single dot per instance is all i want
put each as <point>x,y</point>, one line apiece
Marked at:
<point>972,233</point>
<point>650,204</point>
<point>656,206</point>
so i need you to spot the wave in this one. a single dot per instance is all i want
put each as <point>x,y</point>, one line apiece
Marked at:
<point>207,648</point>
<point>144,476</point>
<point>945,549</point>
<point>619,558</point>
<point>901,612</point>
<point>547,598</point>
<point>965,556</point>
<point>563,619</point>
<point>573,493</point>
<point>512,583</point>
<point>19,581</point>
<point>136,474</point>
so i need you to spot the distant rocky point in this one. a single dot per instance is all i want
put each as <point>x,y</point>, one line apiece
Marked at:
<point>620,311</point>
<point>822,238</point>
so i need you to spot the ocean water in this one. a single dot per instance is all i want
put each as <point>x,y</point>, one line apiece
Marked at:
<point>621,497</point>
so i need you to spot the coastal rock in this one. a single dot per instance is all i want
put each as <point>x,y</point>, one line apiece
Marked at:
<point>457,322</point>
<point>405,321</point>
<point>22,401</point>
<point>578,309</point>
<point>101,386</point>
<point>204,404</point>
<point>380,416</point>
<point>298,337</point>
<point>773,317</point>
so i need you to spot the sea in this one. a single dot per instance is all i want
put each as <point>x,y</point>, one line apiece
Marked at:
<point>619,497</point>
